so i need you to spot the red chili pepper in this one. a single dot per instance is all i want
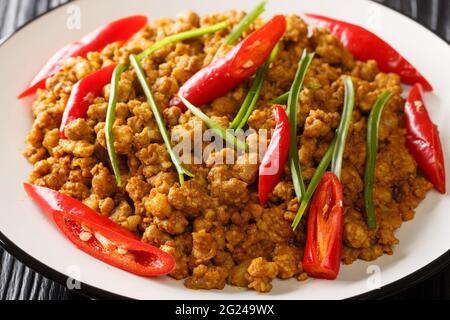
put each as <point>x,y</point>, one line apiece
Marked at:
<point>323,249</point>
<point>422,139</point>
<point>99,236</point>
<point>272,165</point>
<point>83,94</point>
<point>118,31</point>
<point>239,64</point>
<point>365,45</point>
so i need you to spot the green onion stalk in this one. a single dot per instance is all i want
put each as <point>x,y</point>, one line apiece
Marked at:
<point>373,128</point>
<point>344,126</point>
<point>318,175</point>
<point>242,26</point>
<point>226,135</point>
<point>182,172</point>
<point>293,109</point>
<point>285,96</point>
<point>334,154</point>
<point>253,95</point>
<point>111,113</point>
<point>111,118</point>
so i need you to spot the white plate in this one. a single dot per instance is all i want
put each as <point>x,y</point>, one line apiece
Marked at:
<point>32,238</point>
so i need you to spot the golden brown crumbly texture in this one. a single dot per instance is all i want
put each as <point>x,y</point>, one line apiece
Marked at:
<point>213,225</point>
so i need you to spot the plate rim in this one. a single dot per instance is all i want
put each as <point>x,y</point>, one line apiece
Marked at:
<point>93,292</point>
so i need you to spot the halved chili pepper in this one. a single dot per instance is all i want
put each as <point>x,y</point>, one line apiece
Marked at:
<point>83,94</point>
<point>422,139</point>
<point>323,249</point>
<point>239,64</point>
<point>365,45</point>
<point>99,236</point>
<point>117,31</point>
<point>272,165</point>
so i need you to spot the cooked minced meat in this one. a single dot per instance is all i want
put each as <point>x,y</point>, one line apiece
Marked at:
<point>214,225</point>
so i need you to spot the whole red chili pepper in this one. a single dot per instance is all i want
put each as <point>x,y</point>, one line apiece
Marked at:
<point>422,139</point>
<point>239,64</point>
<point>99,236</point>
<point>83,94</point>
<point>323,249</point>
<point>118,31</point>
<point>272,165</point>
<point>365,45</point>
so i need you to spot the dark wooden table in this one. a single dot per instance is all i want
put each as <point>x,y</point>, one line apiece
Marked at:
<point>19,282</point>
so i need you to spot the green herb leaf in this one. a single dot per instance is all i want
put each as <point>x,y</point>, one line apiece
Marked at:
<point>342,132</point>
<point>253,95</point>
<point>373,128</point>
<point>180,37</point>
<point>226,135</point>
<point>111,118</point>
<point>293,102</point>
<point>318,175</point>
<point>159,119</point>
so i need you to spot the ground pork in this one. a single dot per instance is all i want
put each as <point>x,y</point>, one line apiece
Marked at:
<point>213,223</point>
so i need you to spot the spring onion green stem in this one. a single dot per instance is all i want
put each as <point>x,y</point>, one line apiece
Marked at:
<point>293,103</point>
<point>373,128</point>
<point>255,98</point>
<point>248,101</point>
<point>225,134</point>
<point>111,118</point>
<point>253,95</point>
<point>242,26</point>
<point>342,132</point>
<point>281,99</point>
<point>121,68</point>
<point>159,119</point>
<point>245,23</point>
<point>285,96</point>
<point>180,37</point>
<point>318,175</point>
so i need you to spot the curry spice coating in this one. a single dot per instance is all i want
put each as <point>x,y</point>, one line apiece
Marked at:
<point>214,225</point>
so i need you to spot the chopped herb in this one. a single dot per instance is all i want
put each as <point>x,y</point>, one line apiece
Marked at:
<point>318,175</point>
<point>293,100</point>
<point>111,118</point>
<point>225,134</point>
<point>373,127</point>
<point>285,96</point>
<point>253,95</point>
<point>159,119</point>
<point>342,132</point>
<point>121,68</point>
<point>180,37</point>
<point>242,26</point>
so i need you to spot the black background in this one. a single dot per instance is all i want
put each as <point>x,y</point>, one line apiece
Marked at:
<point>19,282</point>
